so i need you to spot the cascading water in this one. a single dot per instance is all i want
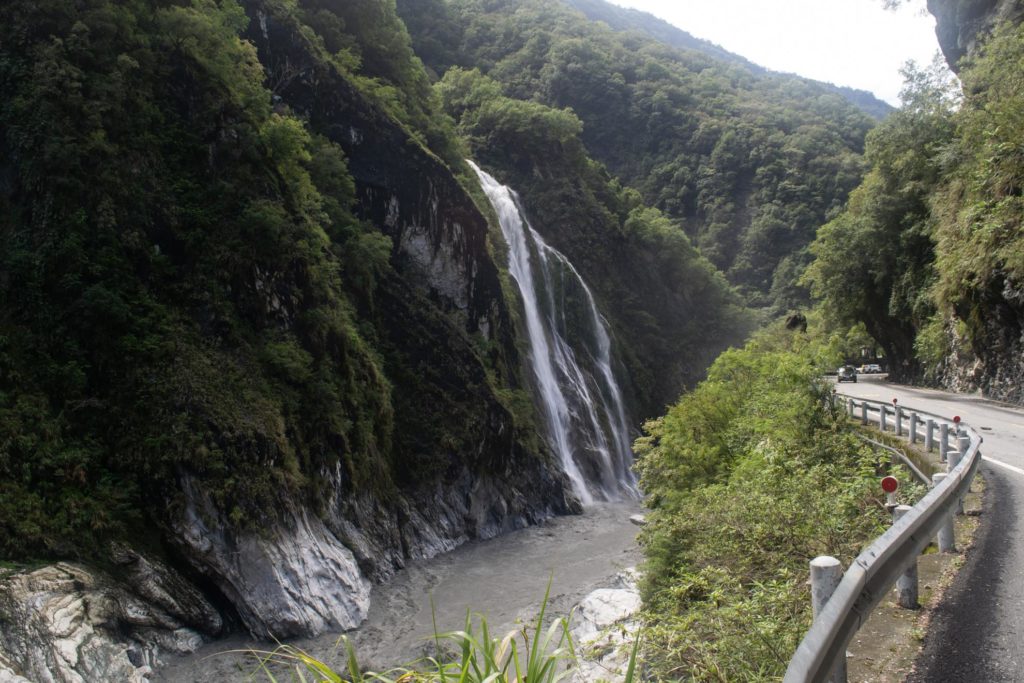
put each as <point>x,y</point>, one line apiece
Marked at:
<point>570,354</point>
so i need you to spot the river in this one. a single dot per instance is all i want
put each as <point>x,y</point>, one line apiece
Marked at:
<point>503,578</point>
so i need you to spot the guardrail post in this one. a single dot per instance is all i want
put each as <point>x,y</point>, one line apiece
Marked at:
<point>881,417</point>
<point>943,441</point>
<point>906,584</point>
<point>965,444</point>
<point>851,407</point>
<point>955,456</point>
<point>945,536</point>
<point>863,412</point>
<point>913,427</point>
<point>899,421</point>
<point>826,573</point>
<point>929,435</point>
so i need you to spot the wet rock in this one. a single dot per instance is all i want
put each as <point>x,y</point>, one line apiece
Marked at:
<point>294,579</point>
<point>992,362</point>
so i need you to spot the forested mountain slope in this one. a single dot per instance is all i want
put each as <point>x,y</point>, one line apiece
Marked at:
<point>670,310</point>
<point>625,19</point>
<point>251,323</point>
<point>748,163</point>
<point>255,326</point>
<point>940,215</point>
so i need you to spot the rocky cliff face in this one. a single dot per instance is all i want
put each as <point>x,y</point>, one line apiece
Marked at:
<point>962,24</point>
<point>70,624</point>
<point>310,573</point>
<point>461,463</point>
<point>992,360</point>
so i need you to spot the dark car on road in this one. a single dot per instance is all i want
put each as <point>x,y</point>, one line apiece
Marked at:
<point>847,373</point>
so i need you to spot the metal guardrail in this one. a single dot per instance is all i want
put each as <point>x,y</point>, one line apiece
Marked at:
<point>876,569</point>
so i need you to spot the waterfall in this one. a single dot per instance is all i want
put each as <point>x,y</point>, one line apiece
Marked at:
<point>570,355</point>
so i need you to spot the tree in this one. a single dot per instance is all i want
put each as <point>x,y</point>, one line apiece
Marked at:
<point>874,263</point>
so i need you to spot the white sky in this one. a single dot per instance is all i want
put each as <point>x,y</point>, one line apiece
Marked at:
<point>856,43</point>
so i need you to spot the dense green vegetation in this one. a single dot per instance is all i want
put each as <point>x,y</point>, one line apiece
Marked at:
<point>176,295</point>
<point>927,255</point>
<point>660,295</point>
<point>748,164</point>
<point>190,289</point>
<point>748,477</point>
<point>874,263</point>
<point>622,19</point>
<point>979,236</point>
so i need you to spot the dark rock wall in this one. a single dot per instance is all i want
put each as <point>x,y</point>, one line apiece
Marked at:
<point>992,359</point>
<point>961,24</point>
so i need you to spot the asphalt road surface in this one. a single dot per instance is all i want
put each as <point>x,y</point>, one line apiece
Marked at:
<point>977,634</point>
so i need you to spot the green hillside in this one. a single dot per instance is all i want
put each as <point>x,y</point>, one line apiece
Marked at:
<point>747,163</point>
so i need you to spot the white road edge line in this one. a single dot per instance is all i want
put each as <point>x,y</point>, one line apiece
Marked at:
<point>1002,464</point>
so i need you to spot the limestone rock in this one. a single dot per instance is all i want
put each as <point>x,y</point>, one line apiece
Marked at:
<point>66,624</point>
<point>605,629</point>
<point>294,579</point>
<point>7,674</point>
<point>168,590</point>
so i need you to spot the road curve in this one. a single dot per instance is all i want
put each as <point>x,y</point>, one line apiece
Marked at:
<point>977,634</point>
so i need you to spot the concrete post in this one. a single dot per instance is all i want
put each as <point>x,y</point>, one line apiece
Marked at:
<point>965,444</point>
<point>899,421</point>
<point>955,456</point>
<point>952,459</point>
<point>826,574</point>
<point>913,427</point>
<point>906,584</point>
<point>882,410</point>
<point>929,435</point>
<point>944,537</point>
<point>863,412</point>
<point>943,441</point>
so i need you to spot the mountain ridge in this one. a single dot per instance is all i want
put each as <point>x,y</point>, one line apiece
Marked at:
<point>629,19</point>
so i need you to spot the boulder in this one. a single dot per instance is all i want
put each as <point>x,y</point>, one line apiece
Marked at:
<point>65,623</point>
<point>604,627</point>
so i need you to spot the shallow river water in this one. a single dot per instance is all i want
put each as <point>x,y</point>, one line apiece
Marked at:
<point>503,578</point>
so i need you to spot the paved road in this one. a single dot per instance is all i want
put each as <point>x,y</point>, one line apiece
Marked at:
<point>977,634</point>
